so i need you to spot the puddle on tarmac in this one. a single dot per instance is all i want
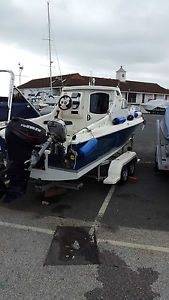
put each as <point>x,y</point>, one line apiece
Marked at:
<point>72,246</point>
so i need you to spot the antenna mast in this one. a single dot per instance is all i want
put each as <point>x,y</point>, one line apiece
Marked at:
<point>50,57</point>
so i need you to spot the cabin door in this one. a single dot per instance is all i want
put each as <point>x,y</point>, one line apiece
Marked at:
<point>98,107</point>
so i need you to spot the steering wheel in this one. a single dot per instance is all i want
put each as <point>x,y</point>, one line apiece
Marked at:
<point>65,102</point>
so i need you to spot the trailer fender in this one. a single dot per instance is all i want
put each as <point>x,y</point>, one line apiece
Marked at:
<point>117,165</point>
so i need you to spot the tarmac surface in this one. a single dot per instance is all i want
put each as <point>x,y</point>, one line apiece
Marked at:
<point>100,242</point>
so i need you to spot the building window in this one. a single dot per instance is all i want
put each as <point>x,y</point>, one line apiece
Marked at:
<point>132,98</point>
<point>155,96</point>
<point>99,103</point>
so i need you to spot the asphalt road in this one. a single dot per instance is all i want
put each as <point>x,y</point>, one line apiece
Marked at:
<point>100,242</point>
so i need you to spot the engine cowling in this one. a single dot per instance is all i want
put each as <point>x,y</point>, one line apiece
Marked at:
<point>26,131</point>
<point>57,128</point>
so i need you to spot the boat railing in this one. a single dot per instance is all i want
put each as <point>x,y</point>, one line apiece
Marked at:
<point>10,95</point>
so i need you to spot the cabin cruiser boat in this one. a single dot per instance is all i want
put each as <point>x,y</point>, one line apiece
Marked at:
<point>162,147</point>
<point>164,124</point>
<point>87,127</point>
<point>93,123</point>
<point>157,106</point>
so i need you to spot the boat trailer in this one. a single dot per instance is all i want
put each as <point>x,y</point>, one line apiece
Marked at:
<point>162,151</point>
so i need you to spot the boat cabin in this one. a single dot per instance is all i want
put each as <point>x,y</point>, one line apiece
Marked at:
<point>85,105</point>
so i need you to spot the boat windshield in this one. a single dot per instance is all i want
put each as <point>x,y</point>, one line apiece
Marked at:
<point>17,97</point>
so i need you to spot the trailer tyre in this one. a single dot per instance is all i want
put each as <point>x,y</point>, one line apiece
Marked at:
<point>124,175</point>
<point>131,168</point>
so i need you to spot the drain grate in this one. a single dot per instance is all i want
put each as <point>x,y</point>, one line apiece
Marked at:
<point>72,246</point>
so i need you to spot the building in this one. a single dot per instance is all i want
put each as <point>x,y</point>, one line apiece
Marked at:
<point>134,91</point>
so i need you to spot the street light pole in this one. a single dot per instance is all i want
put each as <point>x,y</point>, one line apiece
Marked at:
<point>20,72</point>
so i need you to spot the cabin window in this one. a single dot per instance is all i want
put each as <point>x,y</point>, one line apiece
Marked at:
<point>99,103</point>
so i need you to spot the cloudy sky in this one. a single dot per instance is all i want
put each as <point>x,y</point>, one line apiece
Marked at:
<point>88,36</point>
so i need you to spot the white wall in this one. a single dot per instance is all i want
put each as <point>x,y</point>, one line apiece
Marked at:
<point>139,98</point>
<point>147,97</point>
<point>151,96</point>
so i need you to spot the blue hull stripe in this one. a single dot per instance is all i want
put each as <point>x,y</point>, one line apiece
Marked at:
<point>106,144</point>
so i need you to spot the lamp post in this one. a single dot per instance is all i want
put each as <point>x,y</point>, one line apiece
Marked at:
<point>20,72</point>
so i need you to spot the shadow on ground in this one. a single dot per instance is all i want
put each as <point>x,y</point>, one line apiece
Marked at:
<point>143,204</point>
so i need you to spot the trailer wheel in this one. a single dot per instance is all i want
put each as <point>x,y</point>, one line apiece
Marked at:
<point>131,168</point>
<point>124,175</point>
<point>129,148</point>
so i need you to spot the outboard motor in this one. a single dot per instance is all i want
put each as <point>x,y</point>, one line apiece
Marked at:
<point>57,136</point>
<point>21,138</point>
<point>57,129</point>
